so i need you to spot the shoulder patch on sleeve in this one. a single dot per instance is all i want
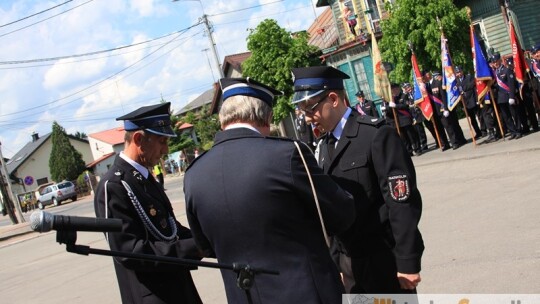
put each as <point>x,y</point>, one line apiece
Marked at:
<point>398,186</point>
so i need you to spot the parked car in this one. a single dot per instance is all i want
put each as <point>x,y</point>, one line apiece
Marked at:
<point>57,193</point>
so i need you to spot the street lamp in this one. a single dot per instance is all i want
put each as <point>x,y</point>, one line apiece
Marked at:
<point>208,31</point>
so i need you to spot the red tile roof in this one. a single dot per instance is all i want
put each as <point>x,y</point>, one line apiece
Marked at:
<point>113,136</point>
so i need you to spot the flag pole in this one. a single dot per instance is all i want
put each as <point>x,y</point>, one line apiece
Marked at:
<point>468,120</point>
<point>496,110</point>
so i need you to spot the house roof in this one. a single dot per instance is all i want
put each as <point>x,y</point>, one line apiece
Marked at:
<point>29,149</point>
<point>234,61</point>
<point>97,161</point>
<point>113,136</point>
<point>204,99</point>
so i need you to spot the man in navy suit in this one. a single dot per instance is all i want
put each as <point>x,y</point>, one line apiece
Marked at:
<point>249,200</point>
<point>129,192</point>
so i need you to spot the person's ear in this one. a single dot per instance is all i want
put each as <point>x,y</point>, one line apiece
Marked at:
<point>138,138</point>
<point>334,98</point>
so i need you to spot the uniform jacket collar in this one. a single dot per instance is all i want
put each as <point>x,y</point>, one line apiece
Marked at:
<point>237,133</point>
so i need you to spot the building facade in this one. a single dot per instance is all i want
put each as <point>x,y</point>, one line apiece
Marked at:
<point>355,20</point>
<point>489,18</point>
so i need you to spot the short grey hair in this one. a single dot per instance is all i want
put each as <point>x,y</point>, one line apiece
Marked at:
<point>245,109</point>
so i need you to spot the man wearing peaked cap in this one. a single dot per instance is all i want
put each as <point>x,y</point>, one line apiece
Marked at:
<point>365,106</point>
<point>248,199</point>
<point>366,157</point>
<point>506,96</point>
<point>129,192</point>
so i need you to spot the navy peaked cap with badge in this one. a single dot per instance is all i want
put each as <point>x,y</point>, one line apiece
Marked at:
<point>406,85</point>
<point>494,57</point>
<point>458,69</point>
<point>435,73</point>
<point>248,87</point>
<point>312,81</point>
<point>155,119</point>
<point>535,48</point>
<point>360,93</point>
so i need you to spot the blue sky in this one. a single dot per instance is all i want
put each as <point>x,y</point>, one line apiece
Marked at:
<point>87,93</point>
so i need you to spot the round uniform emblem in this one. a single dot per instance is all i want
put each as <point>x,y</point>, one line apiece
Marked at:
<point>153,211</point>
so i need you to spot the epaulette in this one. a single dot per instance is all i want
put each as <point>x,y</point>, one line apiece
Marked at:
<point>117,176</point>
<point>370,120</point>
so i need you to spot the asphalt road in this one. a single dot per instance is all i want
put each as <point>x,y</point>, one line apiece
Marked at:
<point>480,226</point>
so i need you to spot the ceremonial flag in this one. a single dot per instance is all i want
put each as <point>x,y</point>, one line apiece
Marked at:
<point>519,58</point>
<point>421,98</point>
<point>380,76</point>
<point>453,95</point>
<point>482,71</point>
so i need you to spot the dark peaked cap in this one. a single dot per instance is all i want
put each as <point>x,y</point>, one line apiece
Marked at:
<point>312,81</point>
<point>248,87</point>
<point>154,119</point>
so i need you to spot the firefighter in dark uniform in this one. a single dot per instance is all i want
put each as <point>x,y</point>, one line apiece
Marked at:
<point>467,88</point>
<point>364,106</point>
<point>437,114</point>
<point>448,118</point>
<point>129,192</point>
<point>506,98</point>
<point>383,249</point>
<point>249,200</point>
<point>534,65</point>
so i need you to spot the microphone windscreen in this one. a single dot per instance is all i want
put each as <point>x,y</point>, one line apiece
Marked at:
<point>41,221</point>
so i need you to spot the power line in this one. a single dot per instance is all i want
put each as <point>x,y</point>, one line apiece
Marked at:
<point>244,9</point>
<point>22,28</point>
<point>90,53</point>
<point>10,23</point>
<point>278,13</point>
<point>103,80</point>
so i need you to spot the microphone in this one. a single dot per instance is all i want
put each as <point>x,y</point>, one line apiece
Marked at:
<point>43,222</point>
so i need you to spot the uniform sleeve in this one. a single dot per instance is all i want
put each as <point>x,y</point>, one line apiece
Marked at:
<point>337,205</point>
<point>134,237</point>
<point>201,240</point>
<point>403,203</point>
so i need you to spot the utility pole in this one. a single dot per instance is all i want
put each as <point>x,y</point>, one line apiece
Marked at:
<point>212,43</point>
<point>209,64</point>
<point>7,194</point>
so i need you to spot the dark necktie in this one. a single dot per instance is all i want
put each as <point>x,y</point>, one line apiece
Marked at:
<point>331,145</point>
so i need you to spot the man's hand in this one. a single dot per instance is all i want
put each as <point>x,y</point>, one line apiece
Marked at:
<point>511,101</point>
<point>392,104</point>
<point>408,281</point>
<point>446,113</point>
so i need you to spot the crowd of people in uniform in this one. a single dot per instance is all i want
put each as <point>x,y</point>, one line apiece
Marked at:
<point>509,110</point>
<point>342,220</point>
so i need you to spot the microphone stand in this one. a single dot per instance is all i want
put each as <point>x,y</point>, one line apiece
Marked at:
<point>245,274</point>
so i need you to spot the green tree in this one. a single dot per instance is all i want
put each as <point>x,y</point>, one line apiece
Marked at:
<point>65,163</point>
<point>205,125</point>
<point>274,51</point>
<point>80,135</point>
<point>415,21</point>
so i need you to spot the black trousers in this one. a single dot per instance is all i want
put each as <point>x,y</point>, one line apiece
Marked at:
<point>510,116</point>
<point>473,112</point>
